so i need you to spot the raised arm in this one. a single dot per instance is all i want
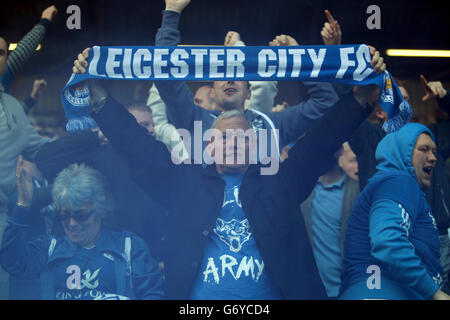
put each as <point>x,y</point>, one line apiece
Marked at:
<point>313,154</point>
<point>263,93</point>
<point>26,47</point>
<point>76,147</point>
<point>332,35</point>
<point>149,161</point>
<point>391,221</point>
<point>434,89</point>
<point>34,141</point>
<point>18,255</point>
<point>331,31</point>
<point>164,131</point>
<point>296,120</point>
<point>180,108</point>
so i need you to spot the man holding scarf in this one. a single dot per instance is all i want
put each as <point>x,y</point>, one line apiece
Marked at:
<point>255,233</point>
<point>231,95</point>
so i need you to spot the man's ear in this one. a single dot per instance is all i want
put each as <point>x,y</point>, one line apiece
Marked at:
<point>212,93</point>
<point>249,93</point>
<point>379,112</point>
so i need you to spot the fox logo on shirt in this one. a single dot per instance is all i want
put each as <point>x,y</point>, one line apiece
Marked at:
<point>234,233</point>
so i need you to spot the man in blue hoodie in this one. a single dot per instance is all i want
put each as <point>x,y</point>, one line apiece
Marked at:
<point>392,244</point>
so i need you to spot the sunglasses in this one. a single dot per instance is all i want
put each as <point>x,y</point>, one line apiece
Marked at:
<point>78,216</point>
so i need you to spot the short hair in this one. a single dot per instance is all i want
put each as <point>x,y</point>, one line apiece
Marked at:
<point>138,106</point>
<point>79,185</point>
<point>230,114</point>
<point>208,85</point>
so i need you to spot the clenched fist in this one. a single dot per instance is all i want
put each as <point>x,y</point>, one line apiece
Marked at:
<point>49,13</point>
<point>176,5</point>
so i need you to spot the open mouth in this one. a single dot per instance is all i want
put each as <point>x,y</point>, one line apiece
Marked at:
<point>230,91</point>
<point>428,171</point>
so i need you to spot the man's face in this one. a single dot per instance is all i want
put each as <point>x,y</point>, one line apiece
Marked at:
<point>144,119</point>
<point>234,143</point>
<point>348,162</point>
<point>424,159</point>
<point>203,98</point>
<point>3,55</point>
<point>82,227</point>
<point>230,95</point>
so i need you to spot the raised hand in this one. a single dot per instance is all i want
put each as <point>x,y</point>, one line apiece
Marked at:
<point>283,40</point>
<point>432,89</point>
<point>38,86</point>
<point>49,13</point>
<point>280,107</point>
<point>368,94</point>
<point>231,38</point>
<point>377,61</point>
<point>80,65</point>
<point>331,31</point>
<point>24,184</point>
<point>96,91</point>
<point>176,5</point>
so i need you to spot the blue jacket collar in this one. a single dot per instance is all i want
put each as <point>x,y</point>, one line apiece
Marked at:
<point>107,243</point>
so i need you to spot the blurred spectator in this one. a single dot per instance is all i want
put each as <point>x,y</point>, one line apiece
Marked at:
<point>348,161</point>
<point>143,116</point>
<point>326,211</point>
<point>131,202</point>
<point>90,261</point>
<point>24,50</point>
<point>392,244</point>
<point>48,125</point>
<point>438,194</point>
<point>16,134</point>
<point>42,221</point>
<point>17,137</point>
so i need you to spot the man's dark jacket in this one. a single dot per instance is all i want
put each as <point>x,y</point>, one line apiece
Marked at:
<point>195,194</point>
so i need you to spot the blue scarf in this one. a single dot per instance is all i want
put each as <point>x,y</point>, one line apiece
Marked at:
<point>348,64</point>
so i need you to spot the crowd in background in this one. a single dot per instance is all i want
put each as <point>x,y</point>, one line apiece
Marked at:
<point>106,214</point>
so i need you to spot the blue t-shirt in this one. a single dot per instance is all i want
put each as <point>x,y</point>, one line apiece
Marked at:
<point>232,267</point>
<point>326,218</point>
<point>86,276</point>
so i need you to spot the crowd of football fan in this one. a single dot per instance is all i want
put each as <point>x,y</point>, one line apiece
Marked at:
<point>359,208</point>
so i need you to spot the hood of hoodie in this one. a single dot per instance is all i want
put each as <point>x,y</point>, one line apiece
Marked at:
<point>395,150</point>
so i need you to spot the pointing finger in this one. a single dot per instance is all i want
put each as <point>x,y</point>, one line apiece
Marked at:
<point>329,17</point>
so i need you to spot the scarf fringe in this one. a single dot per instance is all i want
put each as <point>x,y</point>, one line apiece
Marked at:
<point>80,124</point>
